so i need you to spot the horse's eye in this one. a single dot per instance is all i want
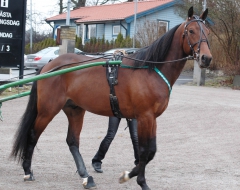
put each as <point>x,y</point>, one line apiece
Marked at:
<point>191,32</point>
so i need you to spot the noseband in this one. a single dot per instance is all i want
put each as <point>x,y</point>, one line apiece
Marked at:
<point>202,33</point>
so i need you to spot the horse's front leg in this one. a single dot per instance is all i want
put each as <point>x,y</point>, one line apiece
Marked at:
<point>75,118</point>
<point>147,150</point>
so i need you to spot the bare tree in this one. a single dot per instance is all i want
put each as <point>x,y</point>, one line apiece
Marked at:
<point>78,3</point>
<point>61,6</point>
<point>149,31</point>
<point>36,37</point>
<point>37,22</point>
<point>82,3</point>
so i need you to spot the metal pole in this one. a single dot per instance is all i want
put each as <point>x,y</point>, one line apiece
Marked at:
<point>30,26</point>
<point>135,18</point>
<point>68,13</point>
<point>199,74</point>
<point>23,40</point>
<point>204,5</point>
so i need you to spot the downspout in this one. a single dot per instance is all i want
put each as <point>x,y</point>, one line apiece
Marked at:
<point>128,29</point>
<point>123,27</point>
<point>86,34</point>
<point>83,34</point>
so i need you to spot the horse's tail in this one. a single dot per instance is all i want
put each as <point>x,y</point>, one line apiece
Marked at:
<point>27,122</point>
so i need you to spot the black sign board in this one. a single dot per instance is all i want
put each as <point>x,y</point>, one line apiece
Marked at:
<point>12,31</point>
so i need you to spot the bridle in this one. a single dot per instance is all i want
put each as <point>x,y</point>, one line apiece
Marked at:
<point>200,22</point>
<point>196,54</point>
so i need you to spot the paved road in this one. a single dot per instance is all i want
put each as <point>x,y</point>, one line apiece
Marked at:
<point>198,139</point>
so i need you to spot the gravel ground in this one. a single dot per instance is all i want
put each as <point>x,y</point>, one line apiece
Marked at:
<point>198,140</point>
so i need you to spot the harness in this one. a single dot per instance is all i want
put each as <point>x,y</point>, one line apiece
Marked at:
<point>112,70</point>
<point>112,74</point>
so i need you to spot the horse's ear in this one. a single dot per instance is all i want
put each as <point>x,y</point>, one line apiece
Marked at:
<point>204,14</point>
<point>190,12</point>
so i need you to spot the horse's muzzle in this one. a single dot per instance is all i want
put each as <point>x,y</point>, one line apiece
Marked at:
<point>205,61</point>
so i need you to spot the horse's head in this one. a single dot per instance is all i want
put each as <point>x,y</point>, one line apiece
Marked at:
<point>195,38</point>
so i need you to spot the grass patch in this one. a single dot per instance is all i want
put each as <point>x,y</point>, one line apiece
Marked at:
<point>222,81</point>
<point>15,90</point>
<point>217,82</point>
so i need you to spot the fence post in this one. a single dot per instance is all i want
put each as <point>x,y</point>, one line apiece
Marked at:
<point>198,75</point>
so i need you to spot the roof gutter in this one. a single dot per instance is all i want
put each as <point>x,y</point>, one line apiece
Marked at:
<point>49,23</point>
<point>97,22</point>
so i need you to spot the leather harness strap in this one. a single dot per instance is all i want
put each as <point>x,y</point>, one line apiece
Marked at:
<point>112,75</point>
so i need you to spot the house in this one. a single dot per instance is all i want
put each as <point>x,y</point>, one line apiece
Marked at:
<point>112,19</point>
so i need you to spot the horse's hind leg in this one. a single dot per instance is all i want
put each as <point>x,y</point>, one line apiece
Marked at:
<point>75,117</point>
<point>39,112</point>
<point>41,123</point>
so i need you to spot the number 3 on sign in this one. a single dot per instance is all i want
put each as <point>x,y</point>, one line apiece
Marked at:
<point>5,48</point>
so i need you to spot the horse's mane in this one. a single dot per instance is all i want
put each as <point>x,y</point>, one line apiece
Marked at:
<point>156,51</point>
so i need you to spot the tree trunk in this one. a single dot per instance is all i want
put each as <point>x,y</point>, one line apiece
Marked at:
<point>60,6</point>
<point>78,3</point>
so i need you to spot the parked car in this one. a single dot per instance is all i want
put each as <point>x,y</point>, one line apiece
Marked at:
<point>109,53</point>
<point>126,50</point>
<point>25,58</point>
<point>44,56</point>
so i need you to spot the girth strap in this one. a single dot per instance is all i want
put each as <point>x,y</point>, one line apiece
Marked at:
<point>112,74</point>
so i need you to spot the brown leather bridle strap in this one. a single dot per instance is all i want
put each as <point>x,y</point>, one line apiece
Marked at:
<point>202,33</point>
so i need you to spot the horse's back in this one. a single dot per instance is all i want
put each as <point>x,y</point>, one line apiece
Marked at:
<point>66,59</point>
<point>84,87</point>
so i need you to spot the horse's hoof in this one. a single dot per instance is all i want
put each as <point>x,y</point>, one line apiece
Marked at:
<point>145,187</point>
<point>29,177</point>
<point>124,177</point>
<point>89,184</point>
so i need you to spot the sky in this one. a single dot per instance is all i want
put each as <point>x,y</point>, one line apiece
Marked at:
<point>43,9</point>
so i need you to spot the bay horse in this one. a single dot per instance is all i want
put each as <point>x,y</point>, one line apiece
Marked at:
<point>142,94</point>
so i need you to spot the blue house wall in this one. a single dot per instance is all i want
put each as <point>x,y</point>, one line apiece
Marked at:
<point>163,13</point>
<point>167,15</point>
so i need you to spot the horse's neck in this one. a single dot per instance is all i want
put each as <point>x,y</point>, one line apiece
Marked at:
<point>173,70</point>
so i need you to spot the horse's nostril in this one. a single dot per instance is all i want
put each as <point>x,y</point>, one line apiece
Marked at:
<point>203,58</point>
<point>206,59</point>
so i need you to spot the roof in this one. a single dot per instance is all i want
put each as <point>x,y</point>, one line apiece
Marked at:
<point>110,12</point>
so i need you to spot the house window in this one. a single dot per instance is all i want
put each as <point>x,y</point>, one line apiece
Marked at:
<point>163,26</point>
<point>116,30</point>
<point>91,31</point>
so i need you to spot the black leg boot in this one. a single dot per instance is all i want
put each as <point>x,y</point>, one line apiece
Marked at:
<point>134,137</point>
